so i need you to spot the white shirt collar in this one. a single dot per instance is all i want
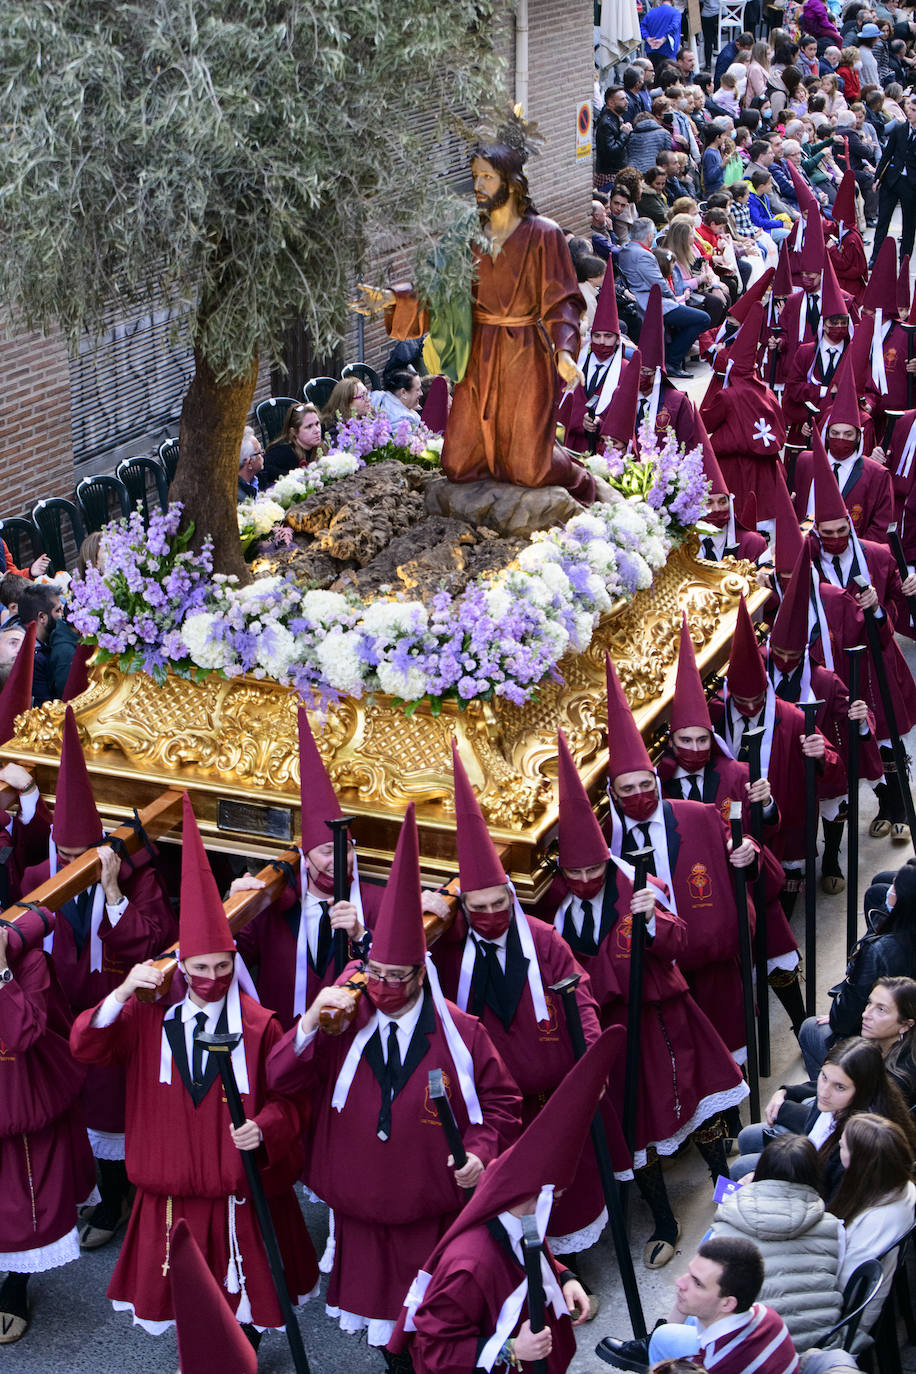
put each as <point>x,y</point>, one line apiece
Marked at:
<point>499,942</point>
<point>724,1326</point>
<point>650,820</point>
<point>406,1024</point>
<point>212,1011</point>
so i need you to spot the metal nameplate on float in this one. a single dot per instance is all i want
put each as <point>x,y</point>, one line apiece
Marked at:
<point>250,818</point>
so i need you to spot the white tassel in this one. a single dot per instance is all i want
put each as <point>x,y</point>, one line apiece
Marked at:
<point>235,1274</point>
<point>326,1263</point>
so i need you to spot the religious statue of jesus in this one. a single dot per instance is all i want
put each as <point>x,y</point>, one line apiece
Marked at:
<point>526,309</point>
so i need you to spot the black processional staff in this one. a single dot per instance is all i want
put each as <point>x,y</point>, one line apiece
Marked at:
<point>890,715</point>
<point>641,860</point>
<point>810,710</point>
<point>447,1118</point>
<point>339,829</point>
<point>566,990</point>
<point>896,543</point>
<point>222,1046</point>
<point>854,655</point>
<point>531,1249</point>
<point>747,964</point>
<point>775,330</point>
<point>753,739</point>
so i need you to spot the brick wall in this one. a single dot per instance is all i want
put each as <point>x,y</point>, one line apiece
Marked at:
<point>35,434</point>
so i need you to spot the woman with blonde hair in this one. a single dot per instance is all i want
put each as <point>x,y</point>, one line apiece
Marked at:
<point>297,444</point>
<point>349,398</point>
<point>758,75</point>
<point>692,273</point>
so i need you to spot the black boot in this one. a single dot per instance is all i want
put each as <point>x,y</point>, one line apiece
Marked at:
<point>103,1221</point>
<point>398,1364</point>
<point>14,1308</point>
<point>789,895</point>
<point>832,879</point>
<point>881,825</point>
<point>252,1335</point>
<point>666,1231</point>
<point>787,989</point>
<point>710,1141</point>
<point>900,830</point>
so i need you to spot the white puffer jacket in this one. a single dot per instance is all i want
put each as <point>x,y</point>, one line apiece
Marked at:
<point>801,1244</point>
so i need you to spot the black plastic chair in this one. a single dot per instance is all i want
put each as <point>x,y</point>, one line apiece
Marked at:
<point>168,457</point>
<point>365,373</point>
<point>270,415</point>
<point>48,518</point>
<point>13,531</point>
<point>861,1286</point>
<point>95,497</point>
<point>133,472</point>
<point>318,390</point>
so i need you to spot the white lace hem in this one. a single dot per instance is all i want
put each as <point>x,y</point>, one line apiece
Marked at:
<point>379,1331</point>
<point>43,1257</point>
<point>106,1144</point>
<point>788,962</point>
<point>583,1239</point>
<point>707,1107</point>
<point>158,1328</point>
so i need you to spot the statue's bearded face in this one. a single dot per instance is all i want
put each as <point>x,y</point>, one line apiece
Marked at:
<point>491,189</point>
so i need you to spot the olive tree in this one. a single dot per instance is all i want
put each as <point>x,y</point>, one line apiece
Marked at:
<point>239,161</point>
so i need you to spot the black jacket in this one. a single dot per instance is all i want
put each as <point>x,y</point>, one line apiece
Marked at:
<point>874,957</point>
<point>611,142</point>
<point>899,156</point>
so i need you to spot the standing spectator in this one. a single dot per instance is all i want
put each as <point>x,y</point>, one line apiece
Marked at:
<point>869,69</point>
<point>709,22</point>
<point>686,64</point>
<point>861,158</point>
<point>742,44</point>
<point>641,272</point>
<point>612,137</point>
<point>712,167</point>
<point>848,71</point>
<point>816,21</point>
<point>896,179</point>
<point>661,29</point>
<point>634,84</point>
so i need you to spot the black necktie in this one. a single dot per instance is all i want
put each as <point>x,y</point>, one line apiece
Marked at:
<point>197,1057</point>
<point>742,743</point>
<point>390,1082</point>
<point>587,935</point>
<point>831,368</point>
<point>323,947</point>
<point>693,788</point>
<point>78,913</point>
<point>814,313</point>
<point>838,569</point>
<point>633,844</point>
<point>836,473</point>
<point>486,979</point>
<point>709,549</point>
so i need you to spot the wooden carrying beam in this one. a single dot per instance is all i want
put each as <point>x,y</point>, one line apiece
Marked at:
<point>240,908</point>
<point>161,816</point>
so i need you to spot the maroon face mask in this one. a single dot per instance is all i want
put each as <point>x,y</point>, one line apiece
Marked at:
<point>323,881</point>
<point>585,888</point>
<point>784,665</point>
<point>752,710</point>
<point>389,997</point>
<point>719,518</point>
<point>639,806</point>
<point>489,925</point>
<point>839,449</point>
<point>603,352</point>
<point>209,989</point>
<point>692,759</point>
<point>835,333</point>
<point>834,543</point>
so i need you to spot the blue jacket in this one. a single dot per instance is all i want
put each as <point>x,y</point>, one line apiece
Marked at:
<point>641,271</point>
<point>662,22</point>
<point>761,215</point>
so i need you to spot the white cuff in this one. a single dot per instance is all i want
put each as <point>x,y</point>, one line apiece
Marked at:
<point>107,1013</point>
<point>864,728</point>
<point>116,911</point>
<point>650,926</point>
<point>28,804</point>
<point>302,1041</point>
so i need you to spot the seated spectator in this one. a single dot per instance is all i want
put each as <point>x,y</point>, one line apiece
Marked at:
<point>691,273</point>
<point>631,178</point>
<point>590,271</point>
<point>732,271</point>
<point>806,61</point>
<point>621,212</point>
<point>715,1317</point>
<point>749,241</point>
<point>11,636</point>
<point>759,205</point>
<point>875,1199</point>
<point>829,60</point>
<point>875,120</point>
<point>601,242</point>
<point>848,71</point>
<point>679,181</point>
<point>725,96</point>
<point>647,140</point>
<point>743,43</point>
<point>782,1212</point>
<point>652,203</point>
<point>712,167</point>
<point>796,92</point>
<point>251,461</point>
<point>758,74</point>
<point>40,601</point>
<point>12,585</point>
<point>889,1019</point>
<point>892,110</point>
<point>348,400</point>
<point>861,158</point>
<point>641,272</point>
<point>297,444</point>
<point>887,950</point>
<point>64,638</point>
<point>815,20</point>
<point>834,98</point>
<point>852,1079</point>
<point>399,398</point>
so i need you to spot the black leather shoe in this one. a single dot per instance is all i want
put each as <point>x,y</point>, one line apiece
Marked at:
<point>632,1355</point>
<point>677,371</point>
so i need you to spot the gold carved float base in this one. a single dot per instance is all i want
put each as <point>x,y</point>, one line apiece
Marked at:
<point>233,743</point>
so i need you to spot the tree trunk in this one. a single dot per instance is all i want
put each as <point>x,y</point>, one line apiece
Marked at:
<point>213,417</point>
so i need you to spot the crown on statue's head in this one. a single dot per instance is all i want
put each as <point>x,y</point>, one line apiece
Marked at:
<point>512,130</point>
